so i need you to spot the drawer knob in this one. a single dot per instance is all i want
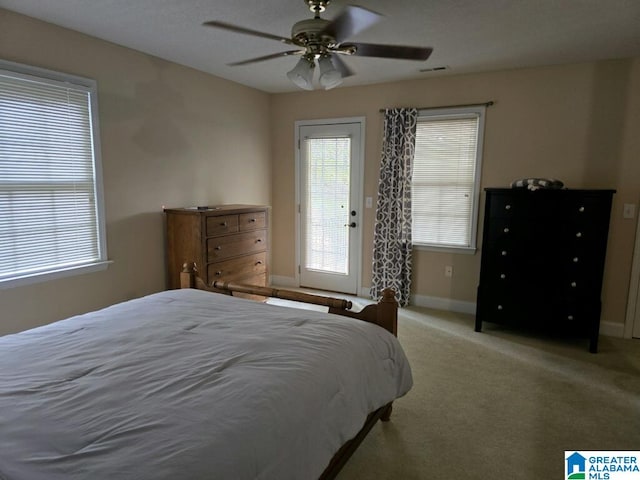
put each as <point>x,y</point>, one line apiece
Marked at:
<point>252,220</point>
<point>499,307</point>
<point>223,224</point>
<point>574,284</point>
<point>218,247</point>
<point>506,230</point>
<point>569,317</point>
<point>259,240</point>
<point>507,207</point>
<point>579,234</point>
<point>218,273</point>
<point>503,276</point>
<point>259,262</point>
<point>581,209</point>
<point>575,259</point>
<point>504,253</point>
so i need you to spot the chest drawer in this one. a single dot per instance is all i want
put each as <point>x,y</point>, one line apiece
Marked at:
<point>239,268</point>
<point>221,248</point>
<point>252,221</point>
<point>222,224</point>
<point>586,209</point>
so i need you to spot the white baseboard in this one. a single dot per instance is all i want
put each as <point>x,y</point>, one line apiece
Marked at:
<point>365,292</point>
<point>611,329</point>
<point>440,303</point>
<point>437,303</point>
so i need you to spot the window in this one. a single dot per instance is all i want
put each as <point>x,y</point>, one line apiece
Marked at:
<point>51,212</point>
<point>446,178</point>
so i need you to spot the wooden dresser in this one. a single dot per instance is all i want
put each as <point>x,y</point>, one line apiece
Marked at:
<point>543,255</point>
<point>227,242</point>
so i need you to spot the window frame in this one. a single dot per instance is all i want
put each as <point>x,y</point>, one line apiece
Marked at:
<point>461,112</point>
<point>56,78</point>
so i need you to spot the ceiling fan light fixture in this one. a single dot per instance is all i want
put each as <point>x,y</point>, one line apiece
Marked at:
<point>302,74</point>
<point>330,76</point>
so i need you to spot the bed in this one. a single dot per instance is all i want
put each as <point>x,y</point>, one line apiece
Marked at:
<point>189,384</point>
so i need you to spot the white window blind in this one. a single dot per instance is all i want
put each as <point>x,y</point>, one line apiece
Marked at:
<point>327,203</point>
<point>49,198</point>
<point>445,179</point>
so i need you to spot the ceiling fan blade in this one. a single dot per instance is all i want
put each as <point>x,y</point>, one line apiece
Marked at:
<point>246,31</point>
<point>267,57</point>
<point>389,51</point>
<point>341,66</point>
<point>350,22</point>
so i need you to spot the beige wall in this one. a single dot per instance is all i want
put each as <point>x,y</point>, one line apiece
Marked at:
<point>174,136</point>
<point>578,123</point>
<point>171,136</point>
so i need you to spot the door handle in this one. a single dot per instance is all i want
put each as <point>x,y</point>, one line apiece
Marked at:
<point>352,224</point>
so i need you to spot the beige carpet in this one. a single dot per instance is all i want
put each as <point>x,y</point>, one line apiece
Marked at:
<point>500,404</point>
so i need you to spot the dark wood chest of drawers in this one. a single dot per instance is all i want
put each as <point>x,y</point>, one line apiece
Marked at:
<point>227,242</point>
<point>543,256</point>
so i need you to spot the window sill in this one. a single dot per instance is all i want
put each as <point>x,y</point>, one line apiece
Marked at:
<point>433,248</point>
<point>53,275</point>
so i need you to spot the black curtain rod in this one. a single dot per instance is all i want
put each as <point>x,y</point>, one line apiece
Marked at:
<point>485,104</point>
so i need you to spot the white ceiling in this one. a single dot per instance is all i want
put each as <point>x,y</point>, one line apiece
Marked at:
<point>467,35</point>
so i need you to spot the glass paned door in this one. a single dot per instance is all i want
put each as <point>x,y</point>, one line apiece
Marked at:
<point>327,198</point>
<point>329,217</point>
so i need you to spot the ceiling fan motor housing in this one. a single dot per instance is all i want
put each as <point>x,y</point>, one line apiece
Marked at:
<point>308,34</point>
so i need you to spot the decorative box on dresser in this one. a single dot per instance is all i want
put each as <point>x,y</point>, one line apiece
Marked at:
<point>542,263</point>
<point>226,242</point>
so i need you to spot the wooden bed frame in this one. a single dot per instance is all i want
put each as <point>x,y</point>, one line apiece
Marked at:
<point>384,314</point>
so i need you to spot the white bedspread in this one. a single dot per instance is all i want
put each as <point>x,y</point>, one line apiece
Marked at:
<point>187,384</point>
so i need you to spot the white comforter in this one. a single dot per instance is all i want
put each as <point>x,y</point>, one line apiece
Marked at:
<point>187,384</point>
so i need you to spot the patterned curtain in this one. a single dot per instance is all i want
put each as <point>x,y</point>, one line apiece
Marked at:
<point>392,234</point>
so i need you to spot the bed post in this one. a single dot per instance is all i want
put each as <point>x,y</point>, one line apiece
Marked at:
<point>388,311</point>
<point>187,275</point>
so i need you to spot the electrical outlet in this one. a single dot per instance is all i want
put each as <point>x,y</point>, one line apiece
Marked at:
<point>448,271</point>
<point>629,210</point>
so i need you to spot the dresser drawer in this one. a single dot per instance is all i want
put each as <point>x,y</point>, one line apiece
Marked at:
<point>577,314</point>
<point>219,225</point>
<point>252,221</point>
<point>227,246</point>
<point>505,206</point>
<point>501,310</point>
<point>503,232</point>
<point>587,208</point>
<point>238,269</point>
<point>257,280</point>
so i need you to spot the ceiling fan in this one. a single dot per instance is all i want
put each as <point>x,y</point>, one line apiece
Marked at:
<point>323,41</point>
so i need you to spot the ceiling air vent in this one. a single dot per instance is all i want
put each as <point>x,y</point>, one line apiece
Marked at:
<point>433,69</point>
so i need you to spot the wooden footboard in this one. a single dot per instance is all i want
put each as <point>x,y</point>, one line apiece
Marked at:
<point>384,314</point>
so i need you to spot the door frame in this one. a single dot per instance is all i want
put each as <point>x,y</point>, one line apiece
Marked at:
<point>632,320</point>
<point>357,184</point>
